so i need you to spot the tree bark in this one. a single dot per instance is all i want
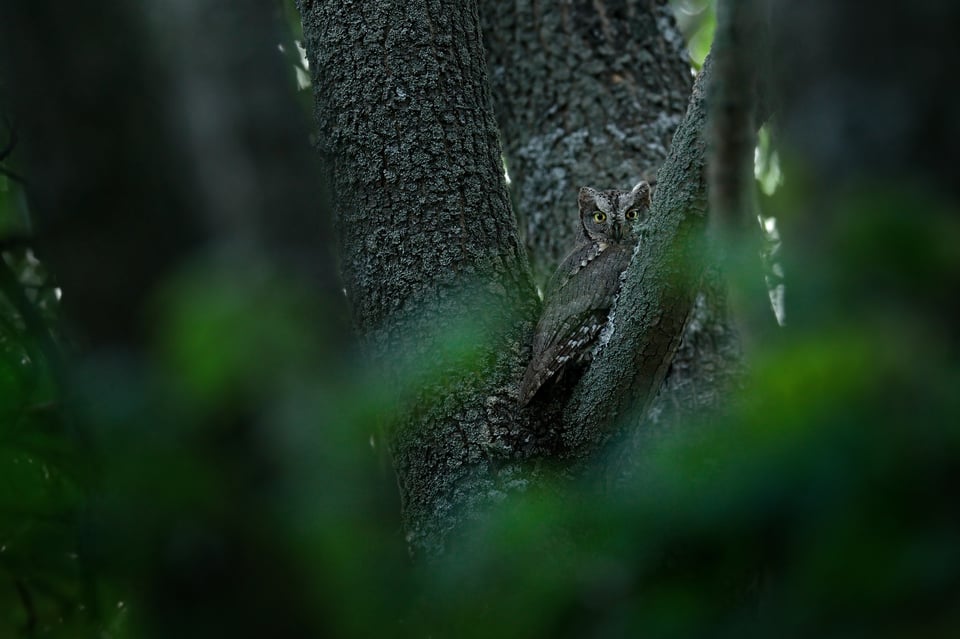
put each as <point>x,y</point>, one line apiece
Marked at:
<point>735,115</point>
<point>432,265</point>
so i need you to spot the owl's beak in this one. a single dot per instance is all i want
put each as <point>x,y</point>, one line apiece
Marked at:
<point>617,231</point>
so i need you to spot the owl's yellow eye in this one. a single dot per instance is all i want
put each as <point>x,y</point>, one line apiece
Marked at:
<point>599,217</point>
<point>631,214</point>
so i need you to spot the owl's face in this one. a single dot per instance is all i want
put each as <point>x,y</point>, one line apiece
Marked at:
<point>614,216</point>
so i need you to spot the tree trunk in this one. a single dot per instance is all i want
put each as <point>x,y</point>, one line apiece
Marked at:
<point>432,265</point>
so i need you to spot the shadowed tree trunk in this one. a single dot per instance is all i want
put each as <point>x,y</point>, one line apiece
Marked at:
<point>195,163</point>
<point>429,250</point>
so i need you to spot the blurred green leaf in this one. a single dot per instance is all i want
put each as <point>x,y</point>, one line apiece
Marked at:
<point>697,20</point>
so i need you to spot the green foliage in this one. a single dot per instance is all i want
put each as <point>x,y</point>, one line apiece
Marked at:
<point>44,488</point>
<point>229,488</point>
<point>46,474</point>
<point>818,504</point>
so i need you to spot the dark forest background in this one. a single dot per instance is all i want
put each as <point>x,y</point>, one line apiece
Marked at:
<point>265,294</point>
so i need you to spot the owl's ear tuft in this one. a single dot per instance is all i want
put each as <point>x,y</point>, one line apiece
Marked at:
<point>587,198</point>
<point>640,194</point>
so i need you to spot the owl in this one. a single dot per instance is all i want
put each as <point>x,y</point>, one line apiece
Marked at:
<point>578,297</point>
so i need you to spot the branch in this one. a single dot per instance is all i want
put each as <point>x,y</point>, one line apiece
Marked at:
<point>731,142</point>
<point>659,290</point>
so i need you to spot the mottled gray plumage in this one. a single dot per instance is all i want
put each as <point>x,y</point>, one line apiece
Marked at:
<point>578,297</point>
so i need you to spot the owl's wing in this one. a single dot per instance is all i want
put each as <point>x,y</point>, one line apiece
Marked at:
<point>573,263</point>
<point>577,305</point>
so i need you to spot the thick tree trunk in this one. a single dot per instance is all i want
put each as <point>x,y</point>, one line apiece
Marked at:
<point>432,264</point>
<point>430,253</point>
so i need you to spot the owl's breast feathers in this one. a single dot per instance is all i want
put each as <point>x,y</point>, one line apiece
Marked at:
<point>577,306</point>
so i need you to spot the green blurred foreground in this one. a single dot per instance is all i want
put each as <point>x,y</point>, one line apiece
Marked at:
<point>231,481</point>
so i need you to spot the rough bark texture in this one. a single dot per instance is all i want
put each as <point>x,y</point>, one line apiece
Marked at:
<point>430,254</point>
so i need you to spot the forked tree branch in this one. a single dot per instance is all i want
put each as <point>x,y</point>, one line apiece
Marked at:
<point>658,293</point>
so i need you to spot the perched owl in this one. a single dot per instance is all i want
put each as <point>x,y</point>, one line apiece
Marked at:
<point>578,297</point>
